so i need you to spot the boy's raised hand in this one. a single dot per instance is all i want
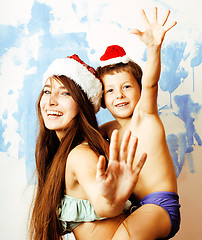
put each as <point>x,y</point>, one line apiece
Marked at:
<point>116,183</point>
<point>154,30</point>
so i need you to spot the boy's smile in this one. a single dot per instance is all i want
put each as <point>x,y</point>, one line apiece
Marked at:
<point>120,105</point>
<point>121,94</point>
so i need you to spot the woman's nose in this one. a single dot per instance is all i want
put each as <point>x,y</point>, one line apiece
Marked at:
<point>53,99</point>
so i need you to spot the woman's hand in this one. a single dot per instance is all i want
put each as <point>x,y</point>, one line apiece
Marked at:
<point>117,182</point>
<point>154,31</point>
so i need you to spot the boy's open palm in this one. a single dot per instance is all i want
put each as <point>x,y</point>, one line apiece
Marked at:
<point>154,31</point>
<point>119,179</point>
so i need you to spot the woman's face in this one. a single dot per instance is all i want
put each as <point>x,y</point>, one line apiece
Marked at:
<point>58,108</point>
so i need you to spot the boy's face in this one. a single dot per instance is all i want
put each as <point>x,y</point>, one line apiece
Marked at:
<point>121,94</point>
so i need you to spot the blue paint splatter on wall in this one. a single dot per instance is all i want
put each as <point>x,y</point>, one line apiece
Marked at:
<point>197,60</point>
<point>6,41</point>
<point>183,144</point>
<point>172,74</point>
<point>176,147</point>
<point>40,18</point>
<point>186,108</point>
<point>3,147</point>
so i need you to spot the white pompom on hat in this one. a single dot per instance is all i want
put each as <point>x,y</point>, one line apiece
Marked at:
<point>114,54</point>
<point>81,73</point>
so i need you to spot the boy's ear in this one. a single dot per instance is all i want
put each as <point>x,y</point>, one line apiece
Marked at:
<point>103,102</point>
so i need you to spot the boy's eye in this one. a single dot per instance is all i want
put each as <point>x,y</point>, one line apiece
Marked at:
<point>126,86</point>
<point>109,91</point>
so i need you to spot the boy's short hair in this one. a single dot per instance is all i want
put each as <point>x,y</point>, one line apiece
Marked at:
<point>130,67</point>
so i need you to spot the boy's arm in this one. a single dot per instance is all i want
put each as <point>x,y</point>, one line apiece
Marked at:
<point>107,128</point>
<point>107,189</point>
<point>103,130</point>
<point>152,37</point>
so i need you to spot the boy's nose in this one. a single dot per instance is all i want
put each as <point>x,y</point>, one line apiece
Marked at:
<point>119,95</point>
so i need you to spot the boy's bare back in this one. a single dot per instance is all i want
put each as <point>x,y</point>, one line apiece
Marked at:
<point>158,173</point>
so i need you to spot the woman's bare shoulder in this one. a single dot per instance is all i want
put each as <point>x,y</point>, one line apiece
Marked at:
<point>80,166</point>
<point>81,155</point>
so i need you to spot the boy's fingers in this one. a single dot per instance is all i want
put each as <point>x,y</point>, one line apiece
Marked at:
<point>135,31</point>
<point>140,164</point>
<point>132,151</point>
<point>113,148</point>
<point>155,16</point>
<point>101,168</point>
<point>144,17</point>
<point>165,17</point>
<point>170,26</point>
<point>124,146</point>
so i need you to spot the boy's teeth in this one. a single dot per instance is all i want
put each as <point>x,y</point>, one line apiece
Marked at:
<point>121,105</point>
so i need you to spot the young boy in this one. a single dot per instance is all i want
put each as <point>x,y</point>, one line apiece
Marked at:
<point>133,104</point>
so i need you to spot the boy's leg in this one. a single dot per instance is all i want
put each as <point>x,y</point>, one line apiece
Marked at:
<point>149,222</point>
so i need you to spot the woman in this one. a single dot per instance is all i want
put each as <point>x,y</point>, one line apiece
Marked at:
<point>75,190</point>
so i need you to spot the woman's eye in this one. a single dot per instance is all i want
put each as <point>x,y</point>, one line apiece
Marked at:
<point>65,94</point>
<point>47,92</point>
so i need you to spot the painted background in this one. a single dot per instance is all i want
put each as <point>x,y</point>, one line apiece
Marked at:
<point>33,33</point>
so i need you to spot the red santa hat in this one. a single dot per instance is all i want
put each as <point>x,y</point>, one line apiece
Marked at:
<point>81,73</point>
<point>114,54</point>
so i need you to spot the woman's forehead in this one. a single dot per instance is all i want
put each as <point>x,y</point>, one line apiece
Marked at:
<point>54,82</point>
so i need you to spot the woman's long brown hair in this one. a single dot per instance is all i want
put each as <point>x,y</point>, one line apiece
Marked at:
<point>51,156</point>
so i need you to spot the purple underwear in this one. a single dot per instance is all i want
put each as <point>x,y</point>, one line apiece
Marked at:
<point>168,201</point>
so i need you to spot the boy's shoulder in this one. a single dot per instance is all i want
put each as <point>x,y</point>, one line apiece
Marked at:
<point>107,128</point>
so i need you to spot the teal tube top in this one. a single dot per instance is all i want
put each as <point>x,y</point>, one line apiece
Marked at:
<point>73,212</point>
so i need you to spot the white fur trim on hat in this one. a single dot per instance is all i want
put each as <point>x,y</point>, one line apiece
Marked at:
<point>124,59</point>
<point>79,73</point>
